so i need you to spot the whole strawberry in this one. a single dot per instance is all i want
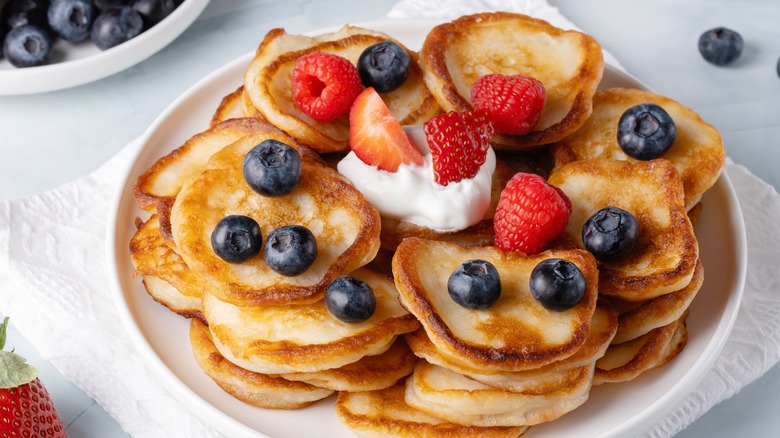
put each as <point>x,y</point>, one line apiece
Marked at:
<point>26,409</point>
<point>459,142</point>
<point>530,214</point>
<point>325,85</point>
<point>513,103</point>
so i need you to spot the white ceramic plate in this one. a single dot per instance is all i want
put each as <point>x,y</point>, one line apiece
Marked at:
<point>612,411</point>
<point>77,64</point>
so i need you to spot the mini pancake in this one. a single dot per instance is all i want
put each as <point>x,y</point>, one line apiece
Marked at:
<point>480,234</point>
<point>516,333</point>
<point>550,377</point>
<point>254,388</point>
<point>268,84</point>
<point>344,224</point>
<point>456,398</point>
<point>384,413</point>
<point>697,153</point>
<point>665,255</point>
<point>164,179</point>
<point>166,277</point>
<point>230,107</point>
<point>303,338</point>
<point>638,318</point>
<point>568,63</point>
<point>367,374</point>
<point>627,361</point>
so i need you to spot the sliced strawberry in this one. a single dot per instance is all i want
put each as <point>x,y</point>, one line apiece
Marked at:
<point>459,142</point>
<point>375,135</point>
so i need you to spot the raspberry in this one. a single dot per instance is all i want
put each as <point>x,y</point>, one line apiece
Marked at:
<point>459,142</point>
<point>530,214</point>
<point>513,103</point>
<point>325,85</point>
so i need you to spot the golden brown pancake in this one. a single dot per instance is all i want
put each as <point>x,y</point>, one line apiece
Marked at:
<point>568,63</point>
<point>268,84</point>
<point>665,255</point>
<point>230,107</point>
<point>384,413</point>
<point>697,153</point>
<point>254,388</point>
<point>516,333</point>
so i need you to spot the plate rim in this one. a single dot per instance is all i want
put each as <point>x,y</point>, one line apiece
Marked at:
<point>101,64</point>
<point>223,421</point>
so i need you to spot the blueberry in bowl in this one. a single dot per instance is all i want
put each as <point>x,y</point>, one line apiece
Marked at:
<point>153,11</point>
<point>721,46</point>
<point>71,19</point>
<point>114,26</point>
<point>27,46</point>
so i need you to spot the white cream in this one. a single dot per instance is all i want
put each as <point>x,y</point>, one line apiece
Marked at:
<point>410,194</point>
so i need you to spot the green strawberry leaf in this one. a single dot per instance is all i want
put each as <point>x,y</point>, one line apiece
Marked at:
<point>3,328</point>
<point>14,370</point>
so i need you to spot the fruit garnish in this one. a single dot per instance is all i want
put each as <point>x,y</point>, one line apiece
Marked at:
<point>71,19</point>
<point>513,103</point>
<point>26,408</point>
<point>376,136</point>
<point>610,234</point>
<point>272,168</point>
<point>325,85</point>
<point>350,299</point>
<point>530,213</point>
<point>557,284</point>
<point>720,46</point>
<point>384,66</point>
<point>115,26</point>
<point>646,131</point>
<point>459,142</point>
<point>475,284</point>
<point>290,250</point>
<point>236,238</point>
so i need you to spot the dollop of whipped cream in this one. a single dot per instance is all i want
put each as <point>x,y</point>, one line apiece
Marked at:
<point>412,195</point>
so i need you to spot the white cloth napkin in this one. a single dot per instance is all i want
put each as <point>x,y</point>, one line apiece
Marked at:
<point>54,276</point>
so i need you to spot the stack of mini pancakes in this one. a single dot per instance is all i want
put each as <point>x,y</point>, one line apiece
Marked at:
<point>270,341</point>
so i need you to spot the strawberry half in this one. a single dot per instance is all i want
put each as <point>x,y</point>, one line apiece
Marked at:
<point>376,136</point>
<point>459,142</point>
<point>26,409</point>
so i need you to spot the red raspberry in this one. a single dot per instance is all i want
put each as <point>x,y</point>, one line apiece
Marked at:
<point>513,103</point>
<point>530,214</point>
<point>325,85</point>
<point>459,142</point>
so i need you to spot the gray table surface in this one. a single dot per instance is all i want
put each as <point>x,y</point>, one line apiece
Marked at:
<point>49,139</point>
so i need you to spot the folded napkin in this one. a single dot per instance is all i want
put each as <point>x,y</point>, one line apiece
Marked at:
<point>55,285</point>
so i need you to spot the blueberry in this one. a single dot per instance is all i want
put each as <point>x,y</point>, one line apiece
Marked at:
<point>646,131</point>
<point>557,284</point>
<point>236,238</point>
<point>384,66</point>
<point>290,250</point>
<point>610,234</point>
<point>153,11</point>
<point>20,12</point>
<point>720,46</point>
<point>106,4</point>
<point>350,299</point>
<point>475,284</point>
<point>272,168</point>
<point>27,46</point>
<point>71,19</point>
<point>114,26</point>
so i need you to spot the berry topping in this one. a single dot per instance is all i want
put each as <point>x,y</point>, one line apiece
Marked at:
<point>384,66</point>
<point>459,142</point>
<point>290,250</point>
<point>530,213</point>
<point>71,19</point>
<point>557,284</point>
<point>116,25</point>
<point>610,234</point>
<point>272,168</point>
<point>720,46</point>
<point>153,11</point>
<point>513,103</point>
<point>325,85</point>
<point>26,408</point>
<point>236,238</point>
<point>475,284</point>
<point>646,131</point>
<point>27,46</point>
<point>350,299</point>
<point>376,137</point>
<point>18,13</point>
